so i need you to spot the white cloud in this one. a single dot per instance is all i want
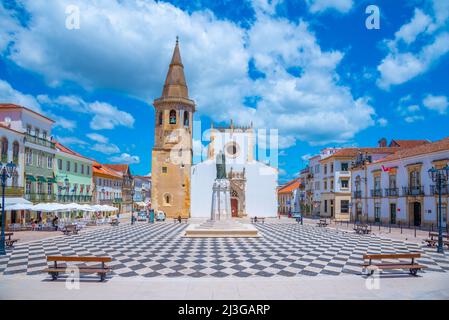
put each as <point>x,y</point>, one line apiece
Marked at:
<point>105,148</point>
<point>9,95</point>
<point>306,157</point>
<point>126,159</point>
<point>124,44</point>
<point>382,122</point>
<point>97,137</point>
<point>342,6</point>
<point>404,61</point>
<point>409,112</point>
<point>70,141</point>
<point>62,122</point>
<point>436,103</point>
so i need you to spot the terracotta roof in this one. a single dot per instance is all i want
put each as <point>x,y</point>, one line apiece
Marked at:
<point>101,170</point>
<point>353,152</point>
<point>70,151</point>
<point>290,186</point>
<point>408,143</point>
<point>441,145</point>
<point>2,125</point>
<point>123,168</point>
<point>15,106</point>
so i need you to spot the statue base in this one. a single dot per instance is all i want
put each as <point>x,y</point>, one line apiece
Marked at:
<point>221,200</point>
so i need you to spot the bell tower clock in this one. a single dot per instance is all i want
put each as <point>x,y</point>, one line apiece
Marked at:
<point>172,152</point>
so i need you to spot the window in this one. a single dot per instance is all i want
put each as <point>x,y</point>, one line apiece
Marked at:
<point>167,199</point>
<point>40,189</point>
<point>4,149</point>
<point>49,162</point>
<point>325,169</point>
<point>164,169</point>
<point>344,184</point>
<point>50,188</point>
<point>325,205</point>
<point>377,183</point>
<point>317,168</point>
<point>161,117</point>
<point>44,135</point>
<point>75,167</point>
<point>357,184</point>
<point>39,160</point>
<point>173,117</point>
<point>88,170</point>
<point>344,166</point>
<point>82,169</point>
<point>29,157</point>
<point>67,166</point>
<point>29,130</point>
<point>186,118</point>
<point>332,167</point>
<point>36,133</point>
<point>28,187</point>
<point>377,212</point>
<point>392,181</point>
<point>317,185</point>
<point>60,164</point>
<point>332,185</point>
<point>344,206</point>
<point>325,185</point>
<point>415,179</point>
<point>15,152</point>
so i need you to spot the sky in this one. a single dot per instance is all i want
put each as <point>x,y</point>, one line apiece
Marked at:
<point>310,69</point>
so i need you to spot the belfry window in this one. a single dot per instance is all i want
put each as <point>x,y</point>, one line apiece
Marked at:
<point>161,114</point>
<point>173,117</point>
<point>186,118</point>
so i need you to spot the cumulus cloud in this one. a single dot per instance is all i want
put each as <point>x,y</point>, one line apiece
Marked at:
<point>71,141</point>
<point>117,45</point>
<point>316,6</point>
<point>105,148</point>
<point>97,137</point>
<point>436,103</point>
<point>10,95</point>
<point>407,57</point>
<point>125,158</point>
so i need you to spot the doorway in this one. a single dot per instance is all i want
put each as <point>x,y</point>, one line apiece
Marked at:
<point>332,208</point>
<point>235,207</point>
<point>393,213</point>
<point>416,213</point>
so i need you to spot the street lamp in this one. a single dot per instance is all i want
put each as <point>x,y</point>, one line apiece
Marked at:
<point>6,172</point>
<point>439,176</point>
<point>133,192</point>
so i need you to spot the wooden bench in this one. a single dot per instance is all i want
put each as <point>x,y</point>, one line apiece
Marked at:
<point>256,219</point>
<point>322,223</point>
<point>433,239</point>
<point>70,229</point>
<point>10,242</point>
<point>56,270</point>
<point>186,220</point>
<point>362,229</point>
<point>114,222</point>
<point>411,266</point>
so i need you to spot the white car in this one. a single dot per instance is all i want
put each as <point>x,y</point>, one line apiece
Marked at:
<point>160,216</point>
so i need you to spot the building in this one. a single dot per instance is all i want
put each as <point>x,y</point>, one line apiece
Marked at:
<point>107,186</point>
<point>253,183</point>
<point>142,189</point>
<point>288,197</point>
<point>397,188</point>
<point>125,204</point>
<point>172,152</point>
<point>12,150</point>
<point>336,179</point>
<point>39,150</point>
<point>73,174</point>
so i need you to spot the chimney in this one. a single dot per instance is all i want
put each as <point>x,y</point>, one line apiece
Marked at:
<point>382,143</point>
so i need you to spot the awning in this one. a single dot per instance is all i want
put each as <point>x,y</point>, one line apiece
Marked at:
<point>41,179</point>
<point>51,180</point>
<point>17,204</point>
<point>31,178</point>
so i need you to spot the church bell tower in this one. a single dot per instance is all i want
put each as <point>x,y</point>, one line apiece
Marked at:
<point>172,153</point>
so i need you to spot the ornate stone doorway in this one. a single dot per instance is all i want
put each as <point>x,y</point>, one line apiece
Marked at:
<point>238,185</point>
<point>235,207</point>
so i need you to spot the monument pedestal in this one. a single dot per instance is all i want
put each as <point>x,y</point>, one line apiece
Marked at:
<point>221,200</point>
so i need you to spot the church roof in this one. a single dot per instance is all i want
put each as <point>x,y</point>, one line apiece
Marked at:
<point>175,83</point>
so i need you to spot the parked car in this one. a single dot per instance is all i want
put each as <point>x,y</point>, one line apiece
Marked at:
<point>160,216</point>
<point>142,216</point>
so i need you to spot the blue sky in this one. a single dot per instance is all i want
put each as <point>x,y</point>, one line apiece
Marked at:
<point>309,68</point>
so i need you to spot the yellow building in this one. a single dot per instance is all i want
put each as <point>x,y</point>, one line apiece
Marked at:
<point>172,152</point>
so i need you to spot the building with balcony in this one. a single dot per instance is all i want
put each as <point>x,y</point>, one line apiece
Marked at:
<point>142,189</point>
<point>12,150</point>
<point>39,150</point>
<point>73,174</point>
<point>107,186</point>
<point>397,188</point>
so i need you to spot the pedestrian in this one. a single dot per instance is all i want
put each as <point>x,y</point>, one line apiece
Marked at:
<point>55,223</point>
<point>179,219</point>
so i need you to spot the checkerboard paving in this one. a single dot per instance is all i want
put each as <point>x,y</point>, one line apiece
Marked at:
<point>160,250</point>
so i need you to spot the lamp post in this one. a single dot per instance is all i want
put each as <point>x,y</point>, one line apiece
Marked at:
<point>133,192</point>
<point>439,176</point>
<point>6,172</point>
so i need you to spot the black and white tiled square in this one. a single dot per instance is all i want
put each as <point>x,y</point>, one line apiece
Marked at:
<point>159,250</point>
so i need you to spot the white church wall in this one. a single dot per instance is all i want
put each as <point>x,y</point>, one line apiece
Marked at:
<point>202,181</point>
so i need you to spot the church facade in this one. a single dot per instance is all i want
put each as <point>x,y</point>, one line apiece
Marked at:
<point>180,189</point>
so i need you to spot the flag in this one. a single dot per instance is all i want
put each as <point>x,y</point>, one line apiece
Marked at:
<point>384,169</point>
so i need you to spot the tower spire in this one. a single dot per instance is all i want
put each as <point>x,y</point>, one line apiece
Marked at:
<point>175,83</point>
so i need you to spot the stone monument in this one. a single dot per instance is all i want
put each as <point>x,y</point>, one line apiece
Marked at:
<point>221,192</point>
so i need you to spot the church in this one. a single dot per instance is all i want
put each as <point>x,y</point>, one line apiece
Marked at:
<point>180,188</point>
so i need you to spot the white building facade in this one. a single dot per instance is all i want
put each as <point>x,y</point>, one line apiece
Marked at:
<point>253,183</point>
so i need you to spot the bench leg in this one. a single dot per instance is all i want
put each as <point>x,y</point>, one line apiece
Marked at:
<point>102,277</point>
<point>413,272</point>
<point>54,276</point>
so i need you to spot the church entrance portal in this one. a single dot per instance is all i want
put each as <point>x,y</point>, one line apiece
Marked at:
<point>235,208</point>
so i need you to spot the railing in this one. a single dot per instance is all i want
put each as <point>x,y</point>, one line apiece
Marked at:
<point>392,192</point>
<point>357,194</point>
<point>43,197</point>
<point>74,198</point>
<point>39,141</point>
<point>413,191</point>
<point>15,160</point>
<point>444,190</point>
<point>118,200</point>
<point>4,158</point>
<point>14,191</point>
<point>376,193</point>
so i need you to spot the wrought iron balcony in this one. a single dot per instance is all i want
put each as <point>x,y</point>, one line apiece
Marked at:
<point>357,194</point>
<point>74,198</point>
<point>14,191</point>
<point>392,192</point>
<point>444,189</point>
<point>41,197</point>
<point>376,193</point>
<point>39,141</point>
<point>413,191</point>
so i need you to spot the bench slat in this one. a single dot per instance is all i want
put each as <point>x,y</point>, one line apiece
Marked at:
<point>79,259</point>
<point>81,270</point>
<point>393,266</point>
<point>391,256</point>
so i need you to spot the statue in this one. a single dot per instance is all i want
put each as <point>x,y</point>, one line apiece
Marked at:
<point>221,166</point>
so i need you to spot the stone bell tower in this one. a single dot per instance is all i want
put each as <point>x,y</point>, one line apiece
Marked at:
<point>172,153</point>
